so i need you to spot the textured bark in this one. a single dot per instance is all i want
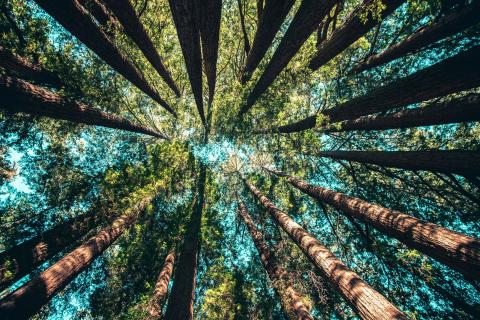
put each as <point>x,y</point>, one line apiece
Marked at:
<point>456,250</point>
<point>184,15</point>
<point>20,96</point>
<point>446,26</point>
<point>273,15</point>
<point>290,299</point>
<point>446,161</point>
<point>135,30</point>
<point>460,72</point>
<point>27,70</point>
<point>352,30</point>
<point>161,287</point>
<point>73,17</point>
<point>365,301</point>
<point>305,22</point>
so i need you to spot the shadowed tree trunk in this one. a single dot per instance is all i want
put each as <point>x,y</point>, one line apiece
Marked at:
<point>456,250</point>
<point>273,15</point>
<point>161,287</point>
<point>21,96</point>
<point>305,22</point>
<point>365,301</point>
<point>302,125</point>
<point>100,13</point>
<point>73,17</point>
<point>260,9</point>
<point>246,43</point>
<point>290,299</point>
<point>134,29</point>
<point>27,70</point>
<point>184,15</point>
<point>353,29</point>
<point>446,26</point>
<point>460,162</point>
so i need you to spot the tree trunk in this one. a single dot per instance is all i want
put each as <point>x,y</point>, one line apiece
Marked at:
<point>271,20</point>
<point>184,15</point>
<point>246,42</point>
<point>302,125</point>
<point>260,10</point>
<point>353,29</point>
<point>161,287</point>
<point>451,248</point>
<point>73,17</point>
<point>27,70</point>
<point>448,25</point>
<point>460,162</point>
<point>21,96</point>
<point>365,301</point>
<point>134,29</point>
<point>100,13</point>
<point>181,299</point>
<point>290,299</point>
<point>305,22</point>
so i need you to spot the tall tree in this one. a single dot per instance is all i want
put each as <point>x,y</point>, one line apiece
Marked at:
<point>241,13</point>
<point>161,287</point>
<point>98,10</point>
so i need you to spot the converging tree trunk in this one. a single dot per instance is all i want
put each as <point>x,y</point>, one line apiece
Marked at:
<point>73,17</point>
<point>290,299</point>
<point>365,301</point>
<point>302,125</point>
<point>21,96</point>
<point>161,287</point>
<point>246,42</point>
<point>98,10</point>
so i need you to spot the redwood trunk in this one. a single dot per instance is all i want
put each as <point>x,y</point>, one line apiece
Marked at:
<point>161,287</point>
<point>272,17</point>
<point>21,96</point>
<point>246,43</point>
<point>365,301</point>
<point>73,17</point>
<point>460,162</point>
<point>290,299</point>
<point>305,22</point>
<point>353,29</point>
<point>99,12</point>
<point>134,29</point>
<point>451,248</point>
<point>302,125</point>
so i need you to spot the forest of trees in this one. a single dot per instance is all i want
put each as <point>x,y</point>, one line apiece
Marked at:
<point>240,159</point>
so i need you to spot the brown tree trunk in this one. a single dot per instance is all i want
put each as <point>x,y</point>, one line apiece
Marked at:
<point>365,301</point>
<point>27,70</point>
<point>260,9</point>
<point>100,13</point>
<point>460,162</point>
<point>305,22</point>
<point>271,20</point>
<point>290,299</point>
<point>73,17</point>
<point>188,32</point>
<point>246,42</point>
<point>448,25</point>
<point>302,125</point>
<point>456,250</point>
<point>353,29</point>
<point>161,287</point>
<point>21,96</point>
<point>134,29</point>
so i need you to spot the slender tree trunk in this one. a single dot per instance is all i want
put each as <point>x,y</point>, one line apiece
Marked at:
<point>135,30</point>
<point>290,299</point>
<point>27,70</point>
<point>246,42</point>
<point>365,301</point>
<point>271,20</point>
<point>184,14</point>
<point>451,248</point>
<point>73,17</point>
<point>100,13</point>
<point>305,22</point>
<point>353,29</point>
<point>448,25</point>
<point>302,125</point>
<point>20,96</point>
<point>460,162</point>
<point>260,9</point>
<point>161,287</point>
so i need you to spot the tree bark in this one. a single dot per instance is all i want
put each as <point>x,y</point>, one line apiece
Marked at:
<point>135,30</point>
<point>290,299</point>
<point>271,20</point>
<point>446,26</point>
<point>74,18</point>
<point>20,96</point>
<point>184,15</point>
<point>302,125</point>
<point>161,287</point>
<point>365,301</point>
<point>100,13</point>
<point>456,250</point>
<point>305,22</point>
<point>246,42</point>
<point>27,70</point>
<point>353,29</point>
